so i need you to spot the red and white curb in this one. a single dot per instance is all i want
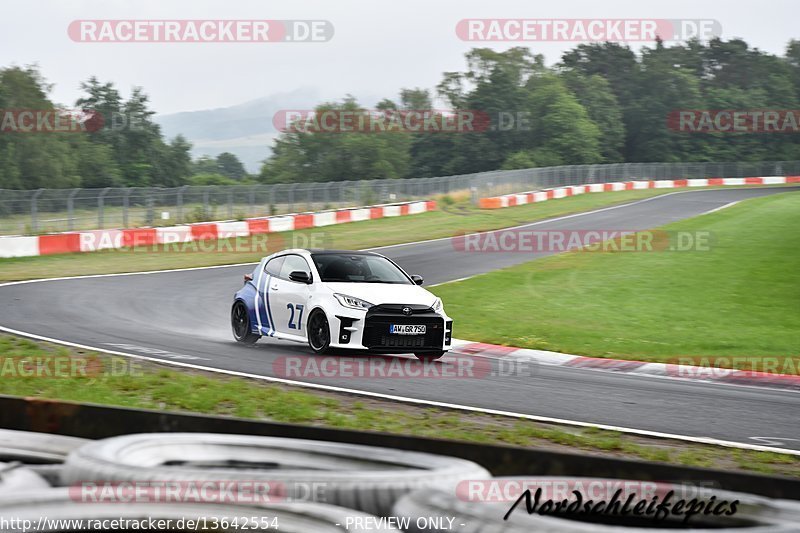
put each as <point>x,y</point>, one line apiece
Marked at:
<point>94,240</point>
<point>510,200</point>
<point>544,357</point>
<point>641,368</point>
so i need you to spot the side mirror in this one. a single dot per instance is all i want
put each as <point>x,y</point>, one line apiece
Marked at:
<point>248,278</point>
<point>300,277</point>
<point>417,279</point>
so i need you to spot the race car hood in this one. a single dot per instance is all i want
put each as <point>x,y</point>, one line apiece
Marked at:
<point>384,293</point>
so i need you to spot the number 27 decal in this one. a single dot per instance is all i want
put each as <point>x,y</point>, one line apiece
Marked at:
<point>299,308</point>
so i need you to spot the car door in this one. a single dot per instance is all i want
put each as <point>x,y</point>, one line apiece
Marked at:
<point>264,317</point>
<point>289,298</point>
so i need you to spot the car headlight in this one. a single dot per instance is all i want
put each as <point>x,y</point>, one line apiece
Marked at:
<point>352,302</point>
<point>437,305</point>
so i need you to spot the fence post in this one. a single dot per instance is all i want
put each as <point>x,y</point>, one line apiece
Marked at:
<point>292,187</point>
<point>230,204</point>
<point>473,191</point>
<point>150,210</point>
<point>71,209</point>
<point>100,204</point>
<point>206,211</point>
<point>35,211</point>
<point>126,203</point>
<point>327,194</point>
<point>251,208</point>
<point>179,204</point>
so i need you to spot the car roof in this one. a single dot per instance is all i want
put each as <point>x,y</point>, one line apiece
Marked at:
<point>318,251</point>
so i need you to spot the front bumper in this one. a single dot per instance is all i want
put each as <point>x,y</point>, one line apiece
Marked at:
<point>371,331</point>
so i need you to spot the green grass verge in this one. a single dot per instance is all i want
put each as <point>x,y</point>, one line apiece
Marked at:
<point>447,221</point>
<point>741,298</point>
<point>116,381</point>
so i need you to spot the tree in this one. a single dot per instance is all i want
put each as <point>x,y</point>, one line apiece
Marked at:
<point>595,94</point>
<point>563,126</point>
<point>141,157</point>
<point>230,166</point>
<point>300,156</point>
<point>39,158</point>
<point>661,89</point>
<point>205,165</point>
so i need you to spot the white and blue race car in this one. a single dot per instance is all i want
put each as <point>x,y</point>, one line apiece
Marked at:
<point>339,299</point>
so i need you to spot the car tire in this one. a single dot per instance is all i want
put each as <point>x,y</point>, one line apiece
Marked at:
<point>429,356</point>
<point>15,477</point>
<point>50,473</point>
<point>240,324</point>
<point>36,448</point>
<point>319,332</point>
<point>60,504</point>
<point>367,478</point>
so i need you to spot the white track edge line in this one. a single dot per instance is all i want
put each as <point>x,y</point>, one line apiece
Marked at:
<point>417,401</point>
<point>703,440</point>
<point>563,218</point>
<point>536,223</point>
<point>187,269</point>
<point>720,208</point>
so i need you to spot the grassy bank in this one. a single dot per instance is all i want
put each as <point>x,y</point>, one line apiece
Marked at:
<point>740,297</point>
<point>102,379</point>
<point>448,220</point>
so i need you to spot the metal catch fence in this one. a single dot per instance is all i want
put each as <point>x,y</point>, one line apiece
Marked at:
<point>52,210</point>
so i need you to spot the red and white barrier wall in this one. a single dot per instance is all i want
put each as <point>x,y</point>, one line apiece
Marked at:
<point>90,241</point>
<point>509,200</point>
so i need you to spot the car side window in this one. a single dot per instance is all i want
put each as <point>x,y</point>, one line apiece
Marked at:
<point>273,267</point>
<point>294,263</point>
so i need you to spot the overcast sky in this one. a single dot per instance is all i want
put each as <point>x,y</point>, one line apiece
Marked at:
<point>378,47</point>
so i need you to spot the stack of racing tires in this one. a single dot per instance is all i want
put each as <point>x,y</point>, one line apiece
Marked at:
<point>47,482</point>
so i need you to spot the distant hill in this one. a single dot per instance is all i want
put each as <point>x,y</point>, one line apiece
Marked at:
<point>244,129</point>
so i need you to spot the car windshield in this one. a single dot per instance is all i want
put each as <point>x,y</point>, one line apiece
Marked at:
<point>358,268</point>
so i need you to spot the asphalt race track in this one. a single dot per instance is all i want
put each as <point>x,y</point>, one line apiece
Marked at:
<point>184,316</point>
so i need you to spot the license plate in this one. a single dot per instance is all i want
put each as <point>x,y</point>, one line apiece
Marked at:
<point>407,329</point>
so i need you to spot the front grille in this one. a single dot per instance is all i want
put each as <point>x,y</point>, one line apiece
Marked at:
<point>380,318</point>
<point>397,309</point>
<point>401,341</point>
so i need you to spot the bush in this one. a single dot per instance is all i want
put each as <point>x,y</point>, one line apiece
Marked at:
<point>200,214</point>
<point>211,179</point>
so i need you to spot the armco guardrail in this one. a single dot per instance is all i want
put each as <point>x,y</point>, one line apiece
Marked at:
<point>510,200</point>
<point>94,422</point>
<point>94,240</point>
<point>25,212</point>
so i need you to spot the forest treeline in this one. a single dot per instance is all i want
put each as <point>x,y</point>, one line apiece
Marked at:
<point>601,103</point>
